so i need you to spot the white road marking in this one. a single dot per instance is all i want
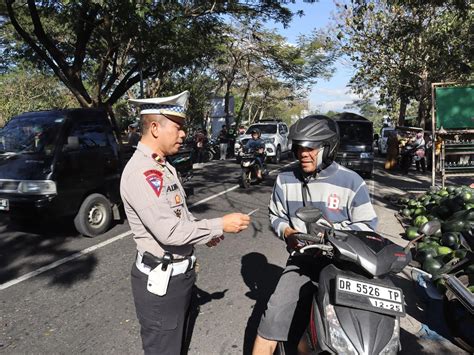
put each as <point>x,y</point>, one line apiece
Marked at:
<point>100,245</point>
<point>62,261</point>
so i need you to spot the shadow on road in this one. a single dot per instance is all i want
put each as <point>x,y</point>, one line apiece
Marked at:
<point>261,278</point>
<point>27,246</point>
<point>199,297</point>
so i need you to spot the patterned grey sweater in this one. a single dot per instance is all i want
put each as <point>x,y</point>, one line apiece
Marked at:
<point>339,193</point>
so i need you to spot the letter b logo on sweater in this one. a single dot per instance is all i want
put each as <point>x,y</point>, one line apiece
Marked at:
<point>333,202</point>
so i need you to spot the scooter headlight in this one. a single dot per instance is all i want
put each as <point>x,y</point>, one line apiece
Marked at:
<point>339,340</point>
<point>393,346</point>
<point>246,164</point>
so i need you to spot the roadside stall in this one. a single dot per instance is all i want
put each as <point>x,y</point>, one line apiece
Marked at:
<point>439,225</point>
<point>399,144</point>
<point>453,131</point>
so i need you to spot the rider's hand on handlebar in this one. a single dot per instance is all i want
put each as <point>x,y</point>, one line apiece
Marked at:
<point>292,242</point>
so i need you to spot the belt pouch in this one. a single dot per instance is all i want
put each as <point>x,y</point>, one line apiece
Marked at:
<point>159,277</point>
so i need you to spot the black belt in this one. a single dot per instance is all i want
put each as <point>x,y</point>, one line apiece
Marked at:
<point>153,261</point>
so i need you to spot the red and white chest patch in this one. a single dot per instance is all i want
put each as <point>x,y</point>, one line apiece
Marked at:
<point>333,202</point>
<point>155,180</point>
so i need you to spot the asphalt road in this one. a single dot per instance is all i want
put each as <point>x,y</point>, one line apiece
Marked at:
<point>84,305</point>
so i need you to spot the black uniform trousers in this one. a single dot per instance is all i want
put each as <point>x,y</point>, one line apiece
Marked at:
<point>162,318</point>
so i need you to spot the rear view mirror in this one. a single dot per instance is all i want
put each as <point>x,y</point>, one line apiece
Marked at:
<point>72,143</point>
<point>430,228</point>
<point>309,214</point>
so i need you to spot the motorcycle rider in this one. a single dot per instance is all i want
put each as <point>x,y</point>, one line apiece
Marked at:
<point>342,196</point>
<point>257,145</point>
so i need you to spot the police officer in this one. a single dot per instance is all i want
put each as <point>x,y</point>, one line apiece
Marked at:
<point>164,230</point>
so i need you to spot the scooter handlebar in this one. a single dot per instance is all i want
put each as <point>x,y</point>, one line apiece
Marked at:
<point>307,237</point>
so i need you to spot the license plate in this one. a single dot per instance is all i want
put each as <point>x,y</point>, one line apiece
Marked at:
<point>369,296</point>
<point>386,305</point>
<point>4,205</point>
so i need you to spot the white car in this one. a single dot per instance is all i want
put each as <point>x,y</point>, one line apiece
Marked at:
<point>275,135</point>
<point>382,142</point>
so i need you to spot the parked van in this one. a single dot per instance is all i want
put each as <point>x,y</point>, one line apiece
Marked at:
<point>66,163</point>
<point>355,147</point>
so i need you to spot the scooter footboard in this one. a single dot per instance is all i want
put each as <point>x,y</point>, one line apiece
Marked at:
<point>345,329</point>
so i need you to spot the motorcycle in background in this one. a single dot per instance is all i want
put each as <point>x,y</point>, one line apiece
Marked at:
<point>409,154</point>
<point>250,168</point>
<point>211,150</point>
<point>356,308</point>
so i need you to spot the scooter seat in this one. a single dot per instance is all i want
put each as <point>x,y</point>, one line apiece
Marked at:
<point>375,254</point>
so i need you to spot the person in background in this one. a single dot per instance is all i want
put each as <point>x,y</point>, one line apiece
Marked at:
<point>257,145</point>
<point>200,140</point>
<point>419,146</point>
<point>223,142</point>
<point>392,151</point>
<point>231,135</point>
<point>133,137</point>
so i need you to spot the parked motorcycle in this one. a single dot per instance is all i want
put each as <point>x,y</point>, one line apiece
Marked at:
<point>211,150</point>
<point>356,308</point>
<point>409,154</point>
<point>250,168</point>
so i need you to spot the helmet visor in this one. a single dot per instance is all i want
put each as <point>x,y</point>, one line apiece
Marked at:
<point>307,144</point>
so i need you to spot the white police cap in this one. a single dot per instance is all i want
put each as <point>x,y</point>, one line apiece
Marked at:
<point>170,105</point>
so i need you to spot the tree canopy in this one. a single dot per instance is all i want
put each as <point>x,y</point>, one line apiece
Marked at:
<point>400,47</point>
<point>100,49</point>
<point>27,89</point>
<point>261,69</point>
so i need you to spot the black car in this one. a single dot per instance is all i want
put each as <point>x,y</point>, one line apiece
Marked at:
<point>66,163</point>
<point>356,143</point>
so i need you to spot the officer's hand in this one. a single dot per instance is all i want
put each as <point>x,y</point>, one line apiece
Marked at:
<point>235,222</point>
<point>214,241</point>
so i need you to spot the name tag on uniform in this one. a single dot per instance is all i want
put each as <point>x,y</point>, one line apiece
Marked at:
<point>158,280</point>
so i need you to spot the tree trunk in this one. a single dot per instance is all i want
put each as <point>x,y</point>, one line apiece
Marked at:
<point>425,94</point>
<point>226,103</point>
<point>244,101</point>
<point>113,121</point>
<point>403,110</point>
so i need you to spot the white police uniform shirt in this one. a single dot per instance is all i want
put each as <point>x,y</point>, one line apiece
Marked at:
<point>156,209</point>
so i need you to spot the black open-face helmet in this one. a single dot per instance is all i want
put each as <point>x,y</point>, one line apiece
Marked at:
<point>316,131</point>
<point>255,130</point>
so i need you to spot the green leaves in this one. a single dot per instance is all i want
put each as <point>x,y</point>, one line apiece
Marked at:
<point>400,47</point>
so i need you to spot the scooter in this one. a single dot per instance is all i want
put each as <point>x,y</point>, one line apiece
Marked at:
<point>357,308</point>
<point>409,154</point>
<point>211,150</point>
<point>250,168</point>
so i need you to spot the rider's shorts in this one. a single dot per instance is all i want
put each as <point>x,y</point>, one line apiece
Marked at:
<point>288,309</point>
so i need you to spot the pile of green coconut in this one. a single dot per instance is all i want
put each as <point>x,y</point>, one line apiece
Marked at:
<point>453,207</point>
